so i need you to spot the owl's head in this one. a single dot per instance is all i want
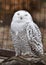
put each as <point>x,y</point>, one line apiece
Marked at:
<point>22,16</point>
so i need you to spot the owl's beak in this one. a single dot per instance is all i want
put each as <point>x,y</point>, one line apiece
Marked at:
<point>21,18</point>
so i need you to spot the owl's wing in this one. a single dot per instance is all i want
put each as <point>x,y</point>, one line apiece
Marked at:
<point>34,34</point>
<point>38,31</point>
<point>29,32</point>
<point>34,39</point>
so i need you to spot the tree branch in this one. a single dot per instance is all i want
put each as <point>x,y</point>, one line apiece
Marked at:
<point>25,60</point>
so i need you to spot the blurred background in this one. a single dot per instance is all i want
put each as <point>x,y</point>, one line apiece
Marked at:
<point>37,9</point>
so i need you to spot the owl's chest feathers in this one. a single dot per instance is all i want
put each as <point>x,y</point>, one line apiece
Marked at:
<point>20,27</point>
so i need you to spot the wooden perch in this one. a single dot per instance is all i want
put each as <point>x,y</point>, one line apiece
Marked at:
<point>25,60</point>
<point>7,53</point>
<point>21,60</point>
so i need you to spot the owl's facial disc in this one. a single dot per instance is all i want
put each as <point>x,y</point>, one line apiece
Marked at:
<point>22,17</point>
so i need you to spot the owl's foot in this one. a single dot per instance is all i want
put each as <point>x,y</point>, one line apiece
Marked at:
<point>24,54</point>
<point>27,54</point>
<point>16,55</point>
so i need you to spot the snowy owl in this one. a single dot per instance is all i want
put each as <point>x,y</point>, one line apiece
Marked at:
<point>25,34</point>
